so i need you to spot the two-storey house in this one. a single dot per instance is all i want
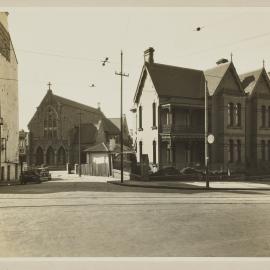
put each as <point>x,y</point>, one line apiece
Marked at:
<point>227,117</point>
<point>257,87</point>
<point>169,115</point>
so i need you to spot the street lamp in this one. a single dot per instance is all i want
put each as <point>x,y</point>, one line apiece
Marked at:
<point>80,171</point>
<point>208,138</point>
<point>206,134</point>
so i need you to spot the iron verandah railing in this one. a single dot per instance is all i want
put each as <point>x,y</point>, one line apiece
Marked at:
<point>199,129</point>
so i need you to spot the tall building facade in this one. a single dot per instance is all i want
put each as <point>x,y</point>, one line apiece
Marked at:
<point>169,115</point>
<point>9,156</point>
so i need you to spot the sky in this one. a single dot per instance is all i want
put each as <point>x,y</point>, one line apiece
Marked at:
<point>65,46</point>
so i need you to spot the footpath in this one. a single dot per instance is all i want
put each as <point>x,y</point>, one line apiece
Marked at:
<point>191,185</point>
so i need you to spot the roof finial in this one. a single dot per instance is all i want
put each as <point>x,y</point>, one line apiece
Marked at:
<point>49,84</point>
<point>231,56</point>
<point>263,63</point>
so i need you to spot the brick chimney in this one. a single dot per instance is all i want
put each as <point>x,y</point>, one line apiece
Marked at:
<point>149,55</point>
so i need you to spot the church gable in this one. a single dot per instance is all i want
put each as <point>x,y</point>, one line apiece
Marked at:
<point>47,101</point>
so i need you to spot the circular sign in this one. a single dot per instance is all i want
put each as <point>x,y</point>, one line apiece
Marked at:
<point>210,138</point>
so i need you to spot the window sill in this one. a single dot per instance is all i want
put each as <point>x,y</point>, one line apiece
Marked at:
<point>154,127</point>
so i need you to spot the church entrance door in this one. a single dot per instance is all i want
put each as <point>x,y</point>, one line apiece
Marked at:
<point>50,156</point>
<point>61,156</point>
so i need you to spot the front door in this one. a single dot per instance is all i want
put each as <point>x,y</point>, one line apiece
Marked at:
<point>8,172</point>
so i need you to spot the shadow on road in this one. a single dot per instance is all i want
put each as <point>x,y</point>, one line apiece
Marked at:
<point>80,186</point>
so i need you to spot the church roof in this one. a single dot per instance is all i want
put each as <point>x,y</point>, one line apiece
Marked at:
<point>98,148</point>
<point>88,133</point>
<point>116,122</point>
<point>67,102</point>
<point>110,127</point>
<point>75,104</point>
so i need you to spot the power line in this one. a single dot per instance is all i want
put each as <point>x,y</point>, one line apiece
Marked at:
<point>54,55</point>
<point>229,44</point>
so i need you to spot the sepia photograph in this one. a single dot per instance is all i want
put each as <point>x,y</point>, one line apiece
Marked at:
<point>134,131</point>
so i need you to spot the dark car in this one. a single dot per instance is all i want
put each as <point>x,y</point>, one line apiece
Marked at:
<point>218,174</point>
<point>193,172</point>
<point>29,177</point>
<point>168,171</point>
<point>44,174</point>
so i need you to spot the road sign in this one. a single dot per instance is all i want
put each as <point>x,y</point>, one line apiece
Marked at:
<point>210,138</point>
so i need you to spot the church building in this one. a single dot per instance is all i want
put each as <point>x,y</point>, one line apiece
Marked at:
<point>61,129</point>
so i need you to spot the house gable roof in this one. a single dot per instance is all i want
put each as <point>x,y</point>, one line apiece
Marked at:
<point>215,77</point>
<point>251,79</point>
<point>172,81</point>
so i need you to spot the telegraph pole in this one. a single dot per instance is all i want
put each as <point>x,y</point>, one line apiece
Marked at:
<point>206,134</point>
<point>121,114</point>
<point>80,171</point>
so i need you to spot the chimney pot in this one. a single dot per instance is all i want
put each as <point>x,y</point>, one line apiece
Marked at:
<point>149,55</point>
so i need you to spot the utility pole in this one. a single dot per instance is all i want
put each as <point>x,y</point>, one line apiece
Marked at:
<point>206,133</point>
<point>121,114</point>
<point>80,171</point>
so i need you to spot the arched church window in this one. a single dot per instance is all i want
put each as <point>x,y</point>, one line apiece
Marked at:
<point>50,123</point>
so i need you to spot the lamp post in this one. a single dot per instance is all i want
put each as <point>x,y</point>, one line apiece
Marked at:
<point>206,157</point>
<point>80,171</point>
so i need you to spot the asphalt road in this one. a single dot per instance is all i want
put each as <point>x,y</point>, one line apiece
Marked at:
<point>92,219</point>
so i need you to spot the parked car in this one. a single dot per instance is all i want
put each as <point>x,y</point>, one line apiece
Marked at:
<point>44,174</point>
<point>166,172</point>
<point>192,172</point>
<point>29,176</point>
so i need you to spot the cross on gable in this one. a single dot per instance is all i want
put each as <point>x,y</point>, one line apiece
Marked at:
<point>49,84</point>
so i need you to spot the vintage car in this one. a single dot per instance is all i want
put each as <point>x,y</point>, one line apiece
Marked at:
<point>29,176</point>
<point>44,174</point>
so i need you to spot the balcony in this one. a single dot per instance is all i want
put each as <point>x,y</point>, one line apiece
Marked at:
<point>183,130</point>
